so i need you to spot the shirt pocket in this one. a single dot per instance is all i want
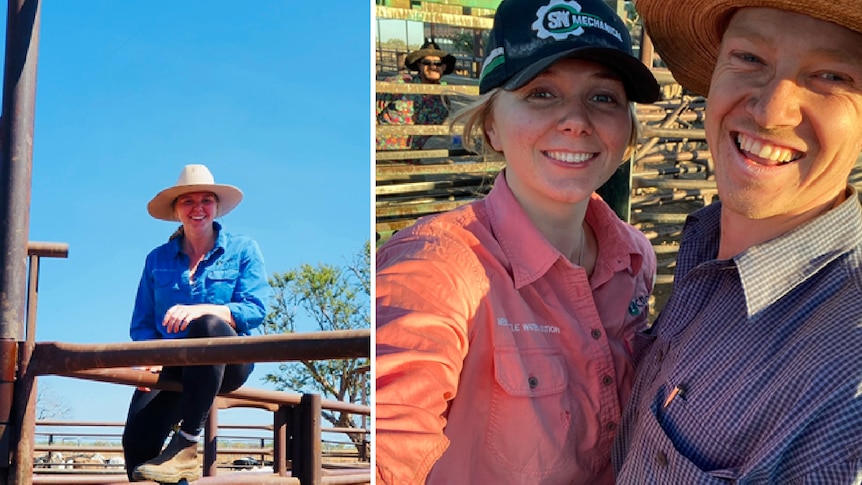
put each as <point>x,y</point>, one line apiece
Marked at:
<point>679,446</point>
<point>220,285</point>
<point>530,415</point>
<point>166,286</point>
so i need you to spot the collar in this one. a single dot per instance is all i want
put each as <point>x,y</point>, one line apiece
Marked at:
<point>530,255</point>
<point>221,240</point>
<point>770,270</point>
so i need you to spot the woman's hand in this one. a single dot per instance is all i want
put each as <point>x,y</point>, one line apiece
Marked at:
<point>177,317</point>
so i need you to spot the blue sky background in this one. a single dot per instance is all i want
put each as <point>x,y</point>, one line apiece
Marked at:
<point>273,96</point>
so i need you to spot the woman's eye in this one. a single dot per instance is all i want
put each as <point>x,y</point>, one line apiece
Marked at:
<point>539,94</point>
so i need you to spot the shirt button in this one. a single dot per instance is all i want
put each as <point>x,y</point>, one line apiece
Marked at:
<point>534,382</point>
<point>596,334</point>
<point>611,426</point>
<point>661,459</point>
<point>607,380</point>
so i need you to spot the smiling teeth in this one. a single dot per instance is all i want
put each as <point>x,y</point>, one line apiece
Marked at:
<point>569,157</point>
<point>765,150</point>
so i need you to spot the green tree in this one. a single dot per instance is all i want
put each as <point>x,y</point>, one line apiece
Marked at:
<point>336,298</point>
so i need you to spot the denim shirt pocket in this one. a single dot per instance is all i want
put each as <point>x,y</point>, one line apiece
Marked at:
<point>528,431</point>
<point>220,285</point>
<point>166,285</point>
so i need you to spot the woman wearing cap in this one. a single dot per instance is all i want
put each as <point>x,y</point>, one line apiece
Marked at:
<point>504,327</point>
<point>204,282</point>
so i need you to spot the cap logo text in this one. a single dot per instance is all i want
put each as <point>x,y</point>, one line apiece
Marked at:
<point>562,18</point>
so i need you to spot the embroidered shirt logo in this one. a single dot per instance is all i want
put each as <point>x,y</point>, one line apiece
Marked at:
<point>637,304</point>
<point>562,18</point>
<point>527,327</point>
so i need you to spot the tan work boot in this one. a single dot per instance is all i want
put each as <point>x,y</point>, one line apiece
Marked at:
<point>179,460</point>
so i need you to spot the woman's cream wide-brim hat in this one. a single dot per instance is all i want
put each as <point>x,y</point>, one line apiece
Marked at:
<point>193,178</point>
<point>687,34</point>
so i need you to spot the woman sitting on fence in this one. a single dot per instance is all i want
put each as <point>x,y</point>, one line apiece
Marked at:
<point>202,283</point>
<point>504,327</point>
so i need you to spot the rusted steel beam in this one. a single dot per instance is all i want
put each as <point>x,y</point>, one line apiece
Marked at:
<point>16,163</point>
<point>279,440</point>
<point>47,249</point>
<point>132,377</point>
<point>210,464</point>
<point>25,415</point>
<point>16,157</point>
<point>62,358</point>
<point>230,402</point>
<point>8,365</point>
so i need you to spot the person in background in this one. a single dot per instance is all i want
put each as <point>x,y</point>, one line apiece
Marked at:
<point>753,371</point>
<point>431,64</point>
<point>504,327</point>
<point>204,282</point>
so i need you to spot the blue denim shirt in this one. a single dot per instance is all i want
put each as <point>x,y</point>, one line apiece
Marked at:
<point>231,274</point>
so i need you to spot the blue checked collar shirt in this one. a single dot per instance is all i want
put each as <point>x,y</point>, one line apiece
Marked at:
<point>754,373</point>
<point>231,274</point>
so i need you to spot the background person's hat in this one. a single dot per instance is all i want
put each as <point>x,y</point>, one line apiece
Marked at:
<point>430,48</point>
<point>687,37</point>
<point>193,178</point>
<point>530,35</point>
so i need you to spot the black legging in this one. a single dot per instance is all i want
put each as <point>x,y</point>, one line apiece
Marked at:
<point>152,414</point>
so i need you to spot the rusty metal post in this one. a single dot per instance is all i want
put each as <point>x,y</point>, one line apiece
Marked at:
<point>24,417</point>
<point>26,388</point>
<point>210,438</point>
<point>8,361</point>
<point>279,440</point>
<point>16,157</point>
<point>310,447</point>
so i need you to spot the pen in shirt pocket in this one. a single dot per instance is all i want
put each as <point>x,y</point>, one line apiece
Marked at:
<point>678,390</point>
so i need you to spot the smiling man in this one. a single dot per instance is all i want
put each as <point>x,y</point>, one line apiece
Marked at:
<point>753,372</point>
<point>430,63</point>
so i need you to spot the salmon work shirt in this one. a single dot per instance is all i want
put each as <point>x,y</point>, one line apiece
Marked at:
<point>498,360</point>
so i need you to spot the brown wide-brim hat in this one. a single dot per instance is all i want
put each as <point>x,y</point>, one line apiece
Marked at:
<point>687,35</point>
<point>430,49</point>
<point>193,178</point>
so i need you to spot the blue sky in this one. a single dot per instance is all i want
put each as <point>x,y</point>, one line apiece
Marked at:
<point>273,96</point>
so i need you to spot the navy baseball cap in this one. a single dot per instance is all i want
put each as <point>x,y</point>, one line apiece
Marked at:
<point>530,35</point>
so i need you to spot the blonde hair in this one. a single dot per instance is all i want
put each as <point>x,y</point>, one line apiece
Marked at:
<point>474,115</point>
